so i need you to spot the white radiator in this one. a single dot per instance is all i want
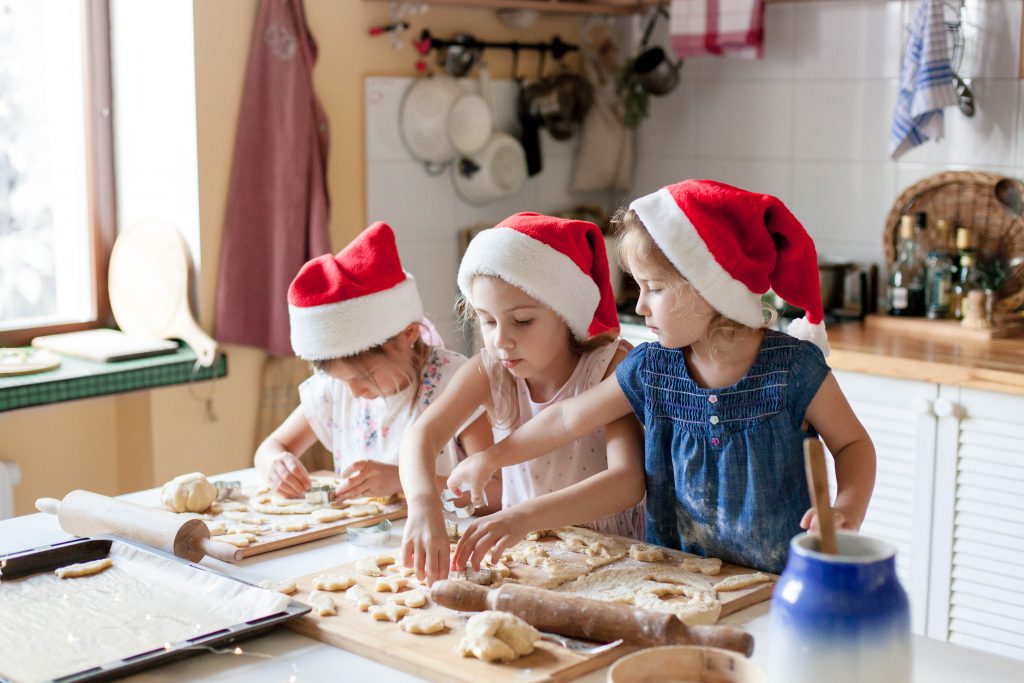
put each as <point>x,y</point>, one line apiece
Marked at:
<point>10,475</point>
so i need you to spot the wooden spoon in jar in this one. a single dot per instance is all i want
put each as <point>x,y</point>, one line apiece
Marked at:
<point>817,483</point>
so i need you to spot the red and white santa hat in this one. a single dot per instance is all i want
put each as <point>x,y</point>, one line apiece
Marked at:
<point>560,262</point>
<point>733,246</point>
<point>340,305</point>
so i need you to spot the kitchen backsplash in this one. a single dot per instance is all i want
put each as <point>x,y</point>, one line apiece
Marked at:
<point>810,123</point>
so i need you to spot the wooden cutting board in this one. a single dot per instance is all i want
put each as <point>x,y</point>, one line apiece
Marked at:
<point>433,657</point>
<point>275,540</point>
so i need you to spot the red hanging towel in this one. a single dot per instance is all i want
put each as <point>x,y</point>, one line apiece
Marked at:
<point>733,28</point>
<point>276,217</point>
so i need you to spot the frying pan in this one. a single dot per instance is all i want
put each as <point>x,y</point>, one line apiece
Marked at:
<point>148,281</point>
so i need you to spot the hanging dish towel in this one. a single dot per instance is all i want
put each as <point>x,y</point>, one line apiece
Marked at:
<point>717,27</point>
<point>276,217</point>
<point>926,82</point>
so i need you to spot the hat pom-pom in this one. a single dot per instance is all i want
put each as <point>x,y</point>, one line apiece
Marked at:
<point>802,328</point>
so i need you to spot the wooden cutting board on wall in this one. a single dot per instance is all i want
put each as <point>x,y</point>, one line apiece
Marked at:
<point>434,657</point>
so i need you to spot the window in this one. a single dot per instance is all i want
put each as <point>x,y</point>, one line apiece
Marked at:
<point>56,171</point>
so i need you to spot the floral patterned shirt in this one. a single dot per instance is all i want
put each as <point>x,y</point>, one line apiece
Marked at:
<point>371,429</point>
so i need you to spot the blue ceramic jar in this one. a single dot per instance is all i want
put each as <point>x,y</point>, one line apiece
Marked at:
<point>840,618</point>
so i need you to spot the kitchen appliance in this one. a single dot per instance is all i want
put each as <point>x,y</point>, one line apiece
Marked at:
<point>848,292</point>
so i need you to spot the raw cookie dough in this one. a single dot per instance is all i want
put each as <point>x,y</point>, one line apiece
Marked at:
<point>703,565</point>
<point>286,586</point>
<point>244,517</point>
<point>690,597</point>
<point>360,597</point>
<point>284,502</point>
<point>388,612</point>
<point>390,584</point>
<point>237,540</point>
<point>254,529</point>
<point>322,603</point>
<point>301,508</point>
<point>413,598</point>
<point>739,581</point>
<point>191,492</point>
<point>325,515</point>
<point>363,510</point>
<point>371,565</point>
<point>333,582</point>
<point>400,570</point>
<point>74,571</point>
<point>217,528</point>
<point>497,636</point>
<point>422,624</point>
<point>646,553</point>
<point>290,525</point>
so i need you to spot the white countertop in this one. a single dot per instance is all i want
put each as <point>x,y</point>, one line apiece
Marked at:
<point>287,657</point>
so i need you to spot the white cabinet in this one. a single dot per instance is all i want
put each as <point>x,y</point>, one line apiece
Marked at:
<point>950,495</point>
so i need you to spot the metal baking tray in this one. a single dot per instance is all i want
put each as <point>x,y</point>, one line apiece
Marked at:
<point>48,558</point>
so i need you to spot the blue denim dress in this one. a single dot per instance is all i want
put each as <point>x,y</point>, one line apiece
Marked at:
<point>724,467</point>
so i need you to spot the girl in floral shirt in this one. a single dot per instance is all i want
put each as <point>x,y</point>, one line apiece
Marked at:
<point>358,318</point>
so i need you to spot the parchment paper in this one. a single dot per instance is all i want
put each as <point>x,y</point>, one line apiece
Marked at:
<point>51,627</point>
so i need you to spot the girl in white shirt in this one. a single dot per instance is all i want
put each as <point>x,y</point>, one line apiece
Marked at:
<point>358,318</point>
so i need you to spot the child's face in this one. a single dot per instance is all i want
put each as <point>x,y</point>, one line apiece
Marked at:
<point>524,335</point>
<point>674,311</point>
<point>374,376</point>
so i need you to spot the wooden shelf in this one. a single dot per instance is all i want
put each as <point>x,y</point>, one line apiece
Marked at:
<point>566,6</point>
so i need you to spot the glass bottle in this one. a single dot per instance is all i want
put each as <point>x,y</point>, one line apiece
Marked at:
<point>964,245</point>
<point>939,270</point>
<point>965,284</point>
<point>921,236</point>
<point>906,282</point>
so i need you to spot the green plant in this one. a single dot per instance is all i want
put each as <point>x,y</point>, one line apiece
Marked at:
<point>636,100</point>
<point>992,274</point>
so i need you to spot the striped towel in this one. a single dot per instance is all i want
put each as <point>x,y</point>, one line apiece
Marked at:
<point>717,27</point>
<point>926,82</point>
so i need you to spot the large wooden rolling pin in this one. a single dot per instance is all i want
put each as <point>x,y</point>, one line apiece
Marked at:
<point>580,617</point>
<point>84,513</point>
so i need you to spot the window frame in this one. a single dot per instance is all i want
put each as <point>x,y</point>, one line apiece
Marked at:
<point>100,188</point>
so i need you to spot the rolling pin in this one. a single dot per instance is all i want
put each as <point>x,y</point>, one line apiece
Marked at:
<point>580,617</point>
<point>84,513</point>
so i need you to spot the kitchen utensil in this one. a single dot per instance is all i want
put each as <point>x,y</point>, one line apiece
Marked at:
<point>1008,191</point>
<point>964,97</point>
<point>582,647</point>
<point>684,663</point>
<point>84,513</point>
<point>529,130</point>
<point>841,618</point>
<point>470,123</point>
<point>103,345</point>
<point>26,361</point>
<point>656,73</point>
<point>498,169</point>
<point>423,120</point>
<point>448,498</point>
<point>817,482</point>
<point>227,489</point>
<point>461,55</point>
<point>375,534</point>
<point>585,618</point>
<point>148,281</point>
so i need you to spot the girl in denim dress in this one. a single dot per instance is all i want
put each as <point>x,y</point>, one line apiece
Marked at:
<point>726,403</point>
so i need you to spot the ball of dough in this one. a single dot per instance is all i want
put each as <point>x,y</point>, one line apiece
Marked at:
<point>188,493</point>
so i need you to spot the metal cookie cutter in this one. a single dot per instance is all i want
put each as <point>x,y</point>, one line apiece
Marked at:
<point>483,577</point>
<point>227,489</point>
<point>448,498</point>
<point>452,529</point>
<point>320,495</point>
<point>376,534</point>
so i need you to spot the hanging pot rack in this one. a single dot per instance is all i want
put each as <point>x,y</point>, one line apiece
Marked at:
<point>556,47</point>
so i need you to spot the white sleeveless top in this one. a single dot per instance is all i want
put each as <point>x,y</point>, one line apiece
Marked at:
<point>570,464</point>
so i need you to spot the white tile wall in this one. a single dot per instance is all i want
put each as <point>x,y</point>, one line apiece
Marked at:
<point>810,122</point>
<point>426,213</point>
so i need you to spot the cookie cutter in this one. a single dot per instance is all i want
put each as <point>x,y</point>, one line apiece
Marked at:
<point>320,495</point>
<point>375,534</point>
<point>482,577</point>
<point>452,529</point>
<point>228,489</point>
<point>448,498</point>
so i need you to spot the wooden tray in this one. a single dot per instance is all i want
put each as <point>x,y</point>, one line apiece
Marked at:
<point>434,658</point>
<point>1005,327</point>
<point>275,540</point>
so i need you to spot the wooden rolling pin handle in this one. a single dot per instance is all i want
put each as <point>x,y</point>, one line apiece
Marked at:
<point>48,505</point>
<point>220,550</point>
<point>460,595</point>
<point>724,637</point>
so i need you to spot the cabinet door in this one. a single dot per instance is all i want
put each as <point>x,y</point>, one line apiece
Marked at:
<point>898,417</point>
<point>977,596</point>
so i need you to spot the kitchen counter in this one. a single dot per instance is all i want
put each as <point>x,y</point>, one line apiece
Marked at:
<point>285,656</point>
<point>996,365</point>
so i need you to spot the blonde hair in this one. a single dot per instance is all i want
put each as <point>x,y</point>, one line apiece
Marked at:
<point>638,250</point>
<point>504,414</point>
<point>390,352</point>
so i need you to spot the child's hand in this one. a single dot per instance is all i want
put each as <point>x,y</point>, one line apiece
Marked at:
<point>840,519</point>
<point>368,478</point>
<point>492,533</point>
<point>425,543</point>
<point>288,476</point>
<point>471,476</point>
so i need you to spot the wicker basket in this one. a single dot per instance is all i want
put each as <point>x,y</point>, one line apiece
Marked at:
<point>966,199</point>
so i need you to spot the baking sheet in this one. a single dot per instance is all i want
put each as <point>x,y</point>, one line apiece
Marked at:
<point>53,627</point>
